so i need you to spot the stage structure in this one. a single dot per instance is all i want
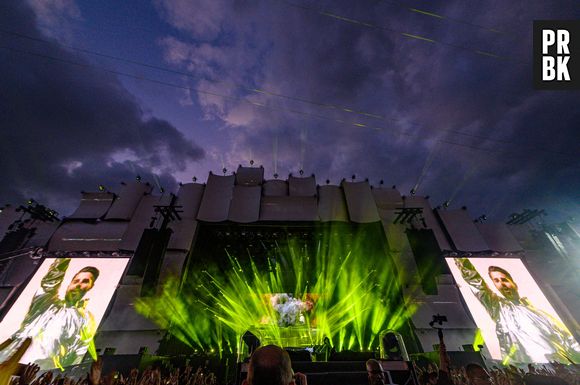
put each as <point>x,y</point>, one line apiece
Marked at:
<point>323,269</point>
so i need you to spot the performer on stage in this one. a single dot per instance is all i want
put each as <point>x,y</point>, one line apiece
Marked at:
<point>525,333</point>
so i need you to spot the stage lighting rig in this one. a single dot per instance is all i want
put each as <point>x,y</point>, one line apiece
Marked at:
<point>482,218</point>
<point>407,215</point>
<point>169,212</point>
<point>38,211</point>
<point>526,216</point>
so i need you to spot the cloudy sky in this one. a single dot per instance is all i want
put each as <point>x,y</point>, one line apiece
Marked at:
<point>435,95</point>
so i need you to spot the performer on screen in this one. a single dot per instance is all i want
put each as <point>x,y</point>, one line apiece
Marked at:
<point>62,329</point>
<point>525,333</point>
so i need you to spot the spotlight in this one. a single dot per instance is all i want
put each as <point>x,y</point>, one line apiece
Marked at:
<point>381,182</point>
<point>301,172</point>
<point>328,181</point>
<point>353,177</point>
<point>194,179</point>
<point>413,191</point>
<point>480,219</point>
<point>276,175</point>
<point>138,178</point>
<point>251,162</point>
<point>101,188</point>
<point>446,204</point>
<point>224,170</point>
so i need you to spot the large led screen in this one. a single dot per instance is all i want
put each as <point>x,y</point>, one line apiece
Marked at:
<point>518,323</point>
<point>288,310</point>
<point>60,309</point>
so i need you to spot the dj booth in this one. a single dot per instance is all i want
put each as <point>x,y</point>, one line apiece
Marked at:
<point>313,355</point>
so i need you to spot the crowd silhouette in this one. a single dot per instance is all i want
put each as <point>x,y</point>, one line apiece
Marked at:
<point>271,365</point>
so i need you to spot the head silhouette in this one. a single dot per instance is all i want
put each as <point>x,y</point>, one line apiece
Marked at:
<point>270,365</point>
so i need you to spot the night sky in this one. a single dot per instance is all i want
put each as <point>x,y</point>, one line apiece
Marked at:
<point>436,93</point>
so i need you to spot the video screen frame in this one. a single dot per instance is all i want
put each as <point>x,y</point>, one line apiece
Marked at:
<point>512,311</point>
<point>61,306</point>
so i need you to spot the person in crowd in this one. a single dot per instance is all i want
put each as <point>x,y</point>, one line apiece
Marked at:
<point>525,333</point>
<point>375,372</point>
<point>9,365</point>
<point>271,365</point>
<point>477,375</point>
<point>62,329</point>
<point>442,376</point>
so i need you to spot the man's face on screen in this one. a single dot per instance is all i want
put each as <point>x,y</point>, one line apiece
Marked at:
<point>79,285</point>
<point>506,286</point>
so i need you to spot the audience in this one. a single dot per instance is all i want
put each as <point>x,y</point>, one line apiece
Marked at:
<point>271,365</point>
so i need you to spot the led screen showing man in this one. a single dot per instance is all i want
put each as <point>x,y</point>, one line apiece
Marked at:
<point>60,309</point>
<point>517,321</point>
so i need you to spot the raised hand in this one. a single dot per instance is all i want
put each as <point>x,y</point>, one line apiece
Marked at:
<point>29,374</point>
<point>94,376</point>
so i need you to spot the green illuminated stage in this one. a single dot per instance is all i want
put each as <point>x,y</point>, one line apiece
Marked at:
<point>295,286</point>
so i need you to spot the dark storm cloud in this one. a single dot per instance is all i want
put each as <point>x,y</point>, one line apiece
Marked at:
<point>67,128</point>
<point>512,146</point>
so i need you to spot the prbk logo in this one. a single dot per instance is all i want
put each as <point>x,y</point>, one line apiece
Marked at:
<point>557,54</point>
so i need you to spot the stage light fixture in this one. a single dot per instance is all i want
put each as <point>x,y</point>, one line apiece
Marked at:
<point>301,172</point>
<point>224,170</point>
<point>101,188</point>
<point>138,178</point>
<point>251,162</point>
<point>276,175</point>
<point>482,218</point>
<point>194,179</point>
